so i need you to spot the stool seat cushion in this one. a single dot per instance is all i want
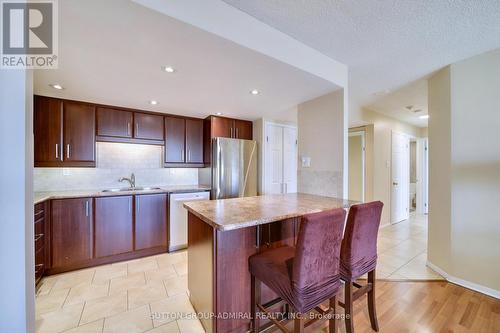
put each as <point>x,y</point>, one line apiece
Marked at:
<point>273,267</point>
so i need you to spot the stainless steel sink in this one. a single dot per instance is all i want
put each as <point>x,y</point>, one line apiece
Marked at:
<point>131,189</point>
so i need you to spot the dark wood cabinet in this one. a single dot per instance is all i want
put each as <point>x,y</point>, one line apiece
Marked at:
<point>71,238</point>
<point>113,225</point>
<point>114,122</point>
<point>47,128</point>
<point>194,141</point>
<point>150,221</point>
<point>175,142</point>
<point>64,133</point>
<point>183,142</point>
<point>215,126</point>
<point>79,132</point>
<point>148,126</point>
<point>243,129</point>
<point>42,236</point>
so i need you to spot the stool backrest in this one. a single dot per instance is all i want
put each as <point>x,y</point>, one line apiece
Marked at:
<point>317,254</point>
<point>359,246</point>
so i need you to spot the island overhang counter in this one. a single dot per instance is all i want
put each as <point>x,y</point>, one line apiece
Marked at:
<point>223,234</point>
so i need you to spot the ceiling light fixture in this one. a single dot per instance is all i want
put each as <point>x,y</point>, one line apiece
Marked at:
<point>219,113</point>
<point>425,116</point>
<point>168,69</point>
<point>56,86</point>
<point>255,92</point>
<point>153,102</point>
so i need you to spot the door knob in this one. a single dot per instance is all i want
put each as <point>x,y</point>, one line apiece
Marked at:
<point>395,183</point>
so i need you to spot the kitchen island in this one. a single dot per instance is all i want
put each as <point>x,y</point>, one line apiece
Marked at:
<point>222,234</point>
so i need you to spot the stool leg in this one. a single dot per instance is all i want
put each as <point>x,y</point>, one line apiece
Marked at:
<point>298,324</point>
<point>332,325</point>
<point>255,291</point>
<point>349,323</point>
<point>371,301</point>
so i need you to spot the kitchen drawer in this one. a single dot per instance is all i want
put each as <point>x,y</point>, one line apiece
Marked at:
<point>39,227</point>
<point>39,241</point>
<point>40,256</point>
<point>39,211</point>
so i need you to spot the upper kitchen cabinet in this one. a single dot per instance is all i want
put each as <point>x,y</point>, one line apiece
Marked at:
<point>148,126</point>
<point>183,142</point>
<point>64,133</point>
<point>215,126</point>
<point>114,122</point>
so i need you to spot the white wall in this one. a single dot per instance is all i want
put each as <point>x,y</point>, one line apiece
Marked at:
<point>17,280</point>
<point>322,134</point>
<point>464,185</point>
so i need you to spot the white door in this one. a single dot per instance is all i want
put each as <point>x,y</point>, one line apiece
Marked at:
<point>422,176</point>
<point>400,182</point>
<point>274,159</point>
<point>290,159</point>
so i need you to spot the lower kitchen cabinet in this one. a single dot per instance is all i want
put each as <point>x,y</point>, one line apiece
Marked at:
<point>42,229</point>
<point>150,221</point>
<point>72,234</point>
<point>113,225</point>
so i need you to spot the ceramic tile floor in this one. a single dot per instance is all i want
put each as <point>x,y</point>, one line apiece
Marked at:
<point>402,251</point>
<point>121,297</point>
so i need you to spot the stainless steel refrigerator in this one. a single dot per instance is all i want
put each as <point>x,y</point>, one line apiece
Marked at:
<point>233,171</point>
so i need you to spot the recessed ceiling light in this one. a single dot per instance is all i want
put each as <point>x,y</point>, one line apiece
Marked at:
<point>168,69</point>
<point>425,116</point>
<point>255,92</point>
<point>219,113</point>
<point>56,86</point>
<point>153,102</point>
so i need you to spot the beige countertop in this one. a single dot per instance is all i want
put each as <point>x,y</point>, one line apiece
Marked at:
<point>43,196</point>
<point>230,214</point>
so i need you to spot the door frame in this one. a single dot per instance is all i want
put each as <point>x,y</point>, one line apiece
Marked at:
<point>422,176</point>
<point>362,134</point>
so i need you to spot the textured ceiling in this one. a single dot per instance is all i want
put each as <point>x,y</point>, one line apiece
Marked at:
<point>386,44</point>
<point>396,104</point>
<point>112,51</point>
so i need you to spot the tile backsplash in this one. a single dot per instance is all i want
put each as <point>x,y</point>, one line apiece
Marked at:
<point>115,160</point>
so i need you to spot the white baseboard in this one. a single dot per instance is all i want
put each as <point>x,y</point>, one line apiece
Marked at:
<point>464,283</point>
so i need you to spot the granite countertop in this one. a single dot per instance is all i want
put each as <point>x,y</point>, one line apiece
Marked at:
<point>43,196</point>
<point>230,214</point>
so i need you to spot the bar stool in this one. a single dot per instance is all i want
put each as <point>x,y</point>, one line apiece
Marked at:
<point>358,256</point>
<point>303,276</point>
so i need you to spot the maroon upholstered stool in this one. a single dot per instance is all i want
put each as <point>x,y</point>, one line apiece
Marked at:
<point>358,256</point>
<point>303,276</point>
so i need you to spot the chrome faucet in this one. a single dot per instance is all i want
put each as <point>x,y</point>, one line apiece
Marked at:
<point>131,180</point>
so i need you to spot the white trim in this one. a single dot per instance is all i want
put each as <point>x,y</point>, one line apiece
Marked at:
<point>464,283</point>
<point>362,134</point>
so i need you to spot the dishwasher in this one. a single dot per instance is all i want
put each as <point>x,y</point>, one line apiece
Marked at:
<point>178,217</point>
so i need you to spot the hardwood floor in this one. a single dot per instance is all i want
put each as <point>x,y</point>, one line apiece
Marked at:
<point>436,306</point>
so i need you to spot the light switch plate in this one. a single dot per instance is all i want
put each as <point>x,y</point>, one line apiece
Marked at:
<point>306,162</point>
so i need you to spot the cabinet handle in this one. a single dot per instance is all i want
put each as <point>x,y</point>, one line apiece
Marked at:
<point>257,237</point>
<point>57,151</point>
<point>136,129</point>
<point>128,128</point>
<point>237,136</point>
<point>87,208</point>
<point>38,236</point>
<point>231,130</point>
<point>68,147</point>
<point>189,155</point>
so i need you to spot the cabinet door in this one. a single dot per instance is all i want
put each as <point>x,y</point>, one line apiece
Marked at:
<point>194,140</point>
<point>222,127</point>
<point>47,130</point>
<point>150,221</point>
<point>243,129</point>
<point>113,225</point>
<point>79,132</point>
<point>71,221</point>
<point>174,140</point>
<point>112,122</point>
<point>148,126</point>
